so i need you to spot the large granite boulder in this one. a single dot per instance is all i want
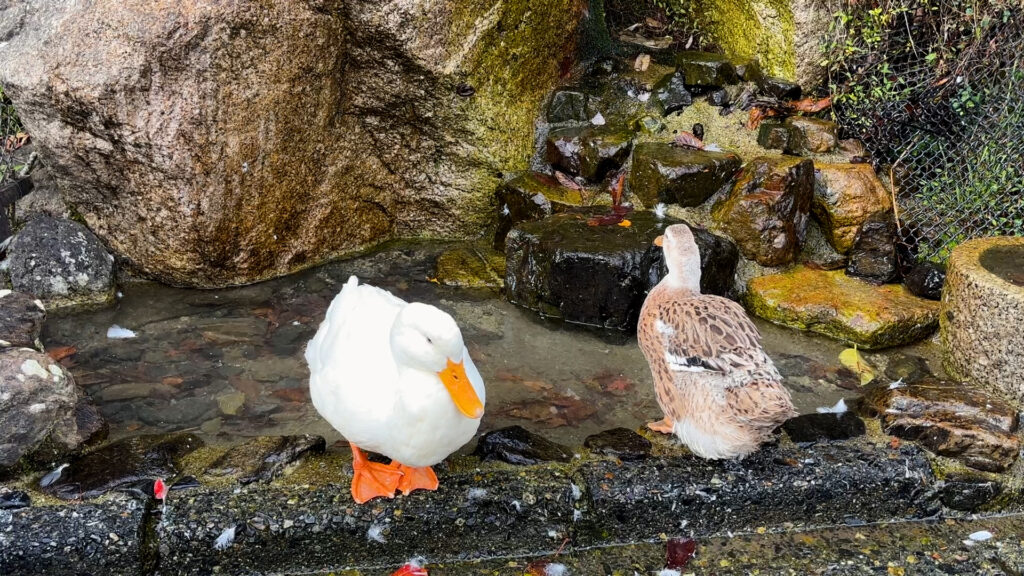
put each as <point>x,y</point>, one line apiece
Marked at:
<point>21,320</point>
<point>672,174</point>
<point>950,419</point>
<point>564,267</point>
<point>845,196</point>
<point>831,303</point>
<point>39,423</point>
<point>767,210</point>
<point>62,263</point>
<point>216,143</point>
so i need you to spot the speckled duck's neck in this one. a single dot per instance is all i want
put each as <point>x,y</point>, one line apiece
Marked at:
<point>684,274</point>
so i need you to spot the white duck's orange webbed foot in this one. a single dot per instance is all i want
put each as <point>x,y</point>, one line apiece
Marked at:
<point>663,426</point>
<point>416,478</point>
<point>371,479</point>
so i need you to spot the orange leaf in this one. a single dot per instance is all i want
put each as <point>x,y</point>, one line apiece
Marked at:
<point>616,188</point>
<point>811,105</point>
<point>756,116</point>
<point>894,443</point>
<point>58,354</point>
<point>687,140</point>
<point>625,223</point>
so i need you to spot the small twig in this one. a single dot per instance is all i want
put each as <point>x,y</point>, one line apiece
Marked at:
<point>892,183</point>
<point>27,168</point>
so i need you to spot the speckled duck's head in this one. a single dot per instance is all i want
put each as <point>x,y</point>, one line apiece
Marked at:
<point>681,256</point>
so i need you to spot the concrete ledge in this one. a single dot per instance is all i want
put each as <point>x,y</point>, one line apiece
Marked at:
<point>307,522</point>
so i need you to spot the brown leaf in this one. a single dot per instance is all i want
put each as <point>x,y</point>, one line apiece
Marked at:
<point>568,182</point>
<point>757,114</point>
<point>173,380</point>
<point>811,105</point>
<point>688,140</point>
<point>615,189</point>
<point>894,443</point>
<point>537,385</point>
<point>606,220</point>
<point>292,394</point>
<point>60,353</point>
<point>653,23</point>
<point>617,386</point>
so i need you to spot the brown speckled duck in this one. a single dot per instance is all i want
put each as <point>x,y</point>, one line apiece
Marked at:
<point>719,390</point>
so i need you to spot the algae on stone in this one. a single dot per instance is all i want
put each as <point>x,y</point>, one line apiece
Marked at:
<point>829,302</point>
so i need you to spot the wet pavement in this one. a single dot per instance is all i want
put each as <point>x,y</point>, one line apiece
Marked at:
<point>228,364</point>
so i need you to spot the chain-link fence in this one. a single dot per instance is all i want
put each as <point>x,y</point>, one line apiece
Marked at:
<point>935,89</point>
<point>11,139</point>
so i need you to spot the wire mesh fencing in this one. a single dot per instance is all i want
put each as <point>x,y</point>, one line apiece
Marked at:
<point>11,140</point>
<point>937,96</point>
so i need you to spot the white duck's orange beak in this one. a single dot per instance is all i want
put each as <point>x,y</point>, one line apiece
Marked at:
<point>461,389</point>
<point>660,240</point>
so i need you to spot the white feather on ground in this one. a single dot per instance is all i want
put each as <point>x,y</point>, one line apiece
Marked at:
<point>837,408</point>
<point>556,570</point>
<point>116,332</point>
<point>225,540</point>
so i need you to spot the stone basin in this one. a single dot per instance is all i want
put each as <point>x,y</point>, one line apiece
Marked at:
<point>981,314</point>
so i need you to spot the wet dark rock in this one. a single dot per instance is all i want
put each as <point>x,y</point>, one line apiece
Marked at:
<point>749,71</point>
<point>621,443</point>
<point>767,210</point>
<point>969,494</point>
<point>705,70</point>
<point>811,135</point>
<point>590,152</point>
<point>185,483</point>
<point>21,320</point>
<point>873,256</point>
<point>568,105</point>
<point>598,276</point>
<point>264,458</point>
<point>718,97</point>
<point>629,498</point>
<point>817,427</point>
<point>61,262</point>
<point>123,464</point>
<point>670,94</point>
<point>950,419</point>
<point>517,445</point>
<point>773,135</point>
<point>672,174</point>
<point>530,196</point>
<point>37,410</point>
<point>926,280</point>
<point>778,88</point>
<point>14,499</point>
<point>907,368</point>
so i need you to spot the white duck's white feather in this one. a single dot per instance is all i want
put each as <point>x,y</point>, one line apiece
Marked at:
<point>356,384</point>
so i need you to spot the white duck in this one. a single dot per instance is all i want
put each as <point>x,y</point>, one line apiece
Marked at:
<point>394,378</point>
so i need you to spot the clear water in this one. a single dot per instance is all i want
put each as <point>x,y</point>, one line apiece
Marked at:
<point>196,350</point>
<point>1007,262</point>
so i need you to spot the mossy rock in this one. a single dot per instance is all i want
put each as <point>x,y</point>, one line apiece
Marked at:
<point>531,196</point>
<point>811,135</point>
<point>471,265</point>
<point>706,70</point>
<point>590,152</point>
<point>845,197</point>
<point>829,302</point>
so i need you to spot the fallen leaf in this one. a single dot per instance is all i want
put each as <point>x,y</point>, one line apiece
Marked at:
<point>434,280</point>
<point>568,182</point>
<point>537,385</point>
<point>679,552</point>
<point>606,220</point>
<point>852,359</point>
<point>508,376</point>
<point>653,23</point>
<point>173,380</point>
<point>615,188</point>
<point>625,223</point>
<point>811,105</point>
<point>618,385</point>
<point>642,62</point>
<point>894,443</point>
<point>60,353</point>
<point>687,140</point>
<point>538,567</point>
<point>292,394</point>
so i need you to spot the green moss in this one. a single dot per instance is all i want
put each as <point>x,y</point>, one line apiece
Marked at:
<point>747,29</point>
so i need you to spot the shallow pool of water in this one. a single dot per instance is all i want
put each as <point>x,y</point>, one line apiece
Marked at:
<point>229,363</point>
<point>1007,262</point>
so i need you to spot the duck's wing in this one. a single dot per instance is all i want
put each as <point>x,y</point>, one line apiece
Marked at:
<point>356,332</point>
<point>714,335</point>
